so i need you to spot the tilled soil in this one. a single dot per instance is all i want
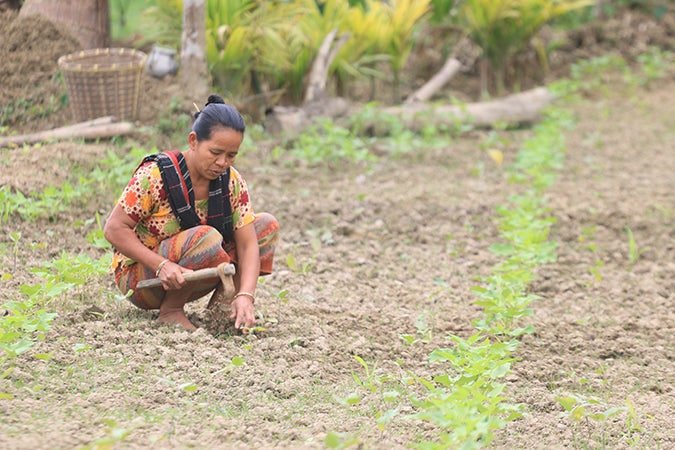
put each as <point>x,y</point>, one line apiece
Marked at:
<point>381,250</point>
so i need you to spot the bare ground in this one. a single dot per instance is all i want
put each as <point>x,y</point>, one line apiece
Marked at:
<point>388,247</point>
<point>400,242</point>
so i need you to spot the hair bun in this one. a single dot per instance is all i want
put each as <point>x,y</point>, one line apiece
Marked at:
<point>214,98</point>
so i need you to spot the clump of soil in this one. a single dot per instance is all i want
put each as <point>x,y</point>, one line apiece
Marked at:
<point>29,50</point>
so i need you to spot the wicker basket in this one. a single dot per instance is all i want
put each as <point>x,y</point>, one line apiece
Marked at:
<point>104,82</point>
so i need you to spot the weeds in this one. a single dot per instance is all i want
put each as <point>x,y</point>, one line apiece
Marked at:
<point>654,65</point>
<point>583,410</point>
<point>26,110</point>
<point>465,401</point>
<point>326,142</point>
<point>340,440</point>
<point>111,174</point>
<point>423,334</point>
<point>634,251</point>
<point>114,434</point>
<point>368,382</point>
<point>28,321</point>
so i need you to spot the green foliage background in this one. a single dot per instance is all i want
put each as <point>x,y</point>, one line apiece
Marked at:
<point>267,46</point>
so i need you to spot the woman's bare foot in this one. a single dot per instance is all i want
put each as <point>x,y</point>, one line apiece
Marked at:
<point>176,318</point>
<point>171,310</point>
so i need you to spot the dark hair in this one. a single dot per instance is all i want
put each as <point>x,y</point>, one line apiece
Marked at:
<point>216,113</point>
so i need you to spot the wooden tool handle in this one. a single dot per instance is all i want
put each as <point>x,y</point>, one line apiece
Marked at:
<point>201,274</point>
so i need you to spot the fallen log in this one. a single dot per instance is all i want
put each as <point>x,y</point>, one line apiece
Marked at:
<point>287,122</point>
<point>102,127</point>
<point>517,109</point>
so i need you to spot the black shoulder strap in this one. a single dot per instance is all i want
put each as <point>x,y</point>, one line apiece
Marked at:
<point>220,207</point>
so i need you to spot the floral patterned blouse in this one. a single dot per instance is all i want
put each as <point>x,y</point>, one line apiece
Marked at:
<point>145,201</point>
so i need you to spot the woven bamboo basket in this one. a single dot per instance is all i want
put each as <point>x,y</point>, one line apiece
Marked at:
<point>104,82</point>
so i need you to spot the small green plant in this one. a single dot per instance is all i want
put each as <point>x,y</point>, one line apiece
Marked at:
<point>24,324</point>
<point>587,236</point>
<point>654,65</point>
<point>327,142</point>
<point>423,332</point>
<point>634,423</point>
<point>634,251</point>
<point>596,270</point>
<point>95,237</point>
<point>236,361</point>
<point>305,267</point>
<point>582,410</point>
<point>370,381</point>
<point>340,441</point>
<point>114,434</point>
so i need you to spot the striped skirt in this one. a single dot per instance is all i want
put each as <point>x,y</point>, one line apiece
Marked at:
<point>197,248</point>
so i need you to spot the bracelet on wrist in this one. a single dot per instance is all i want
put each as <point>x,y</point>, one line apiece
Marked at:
<point>160,267</point>
<point>245,294</point>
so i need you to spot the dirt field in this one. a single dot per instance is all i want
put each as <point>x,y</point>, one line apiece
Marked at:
<point>389,248</point>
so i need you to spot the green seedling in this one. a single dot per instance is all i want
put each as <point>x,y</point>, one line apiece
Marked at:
<point>350,400</point>
<point>236,361</point>
<point>596,270</point>
<point>634,251</point>
<point>423,332</point>
<point>465,401</point>
<point>292,264</point>
<point>114,434</point>
<point>95,237</point>
<point>634,423</point>
<point>340,441</point>
<point>370,381</point>
<point>584,410</point>
<point>79,348</point>
<point>587,236</point>
<point>185,387</point>
<point>384,418</point>
<point>7,372</point>
<point>282,295</point>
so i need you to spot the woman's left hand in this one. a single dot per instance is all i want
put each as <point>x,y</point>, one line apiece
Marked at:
<point>243,313</point>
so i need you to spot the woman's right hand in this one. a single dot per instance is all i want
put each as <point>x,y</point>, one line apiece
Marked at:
<point>171,276</point>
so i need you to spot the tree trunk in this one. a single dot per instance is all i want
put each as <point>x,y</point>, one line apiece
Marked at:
<point>318,77</point>
<point>522,108</point>
<point>449,69</point>
<point>87,20</point>
<point>194,72</point>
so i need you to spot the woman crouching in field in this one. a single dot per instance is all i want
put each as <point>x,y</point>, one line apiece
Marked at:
<point>183,211</point>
